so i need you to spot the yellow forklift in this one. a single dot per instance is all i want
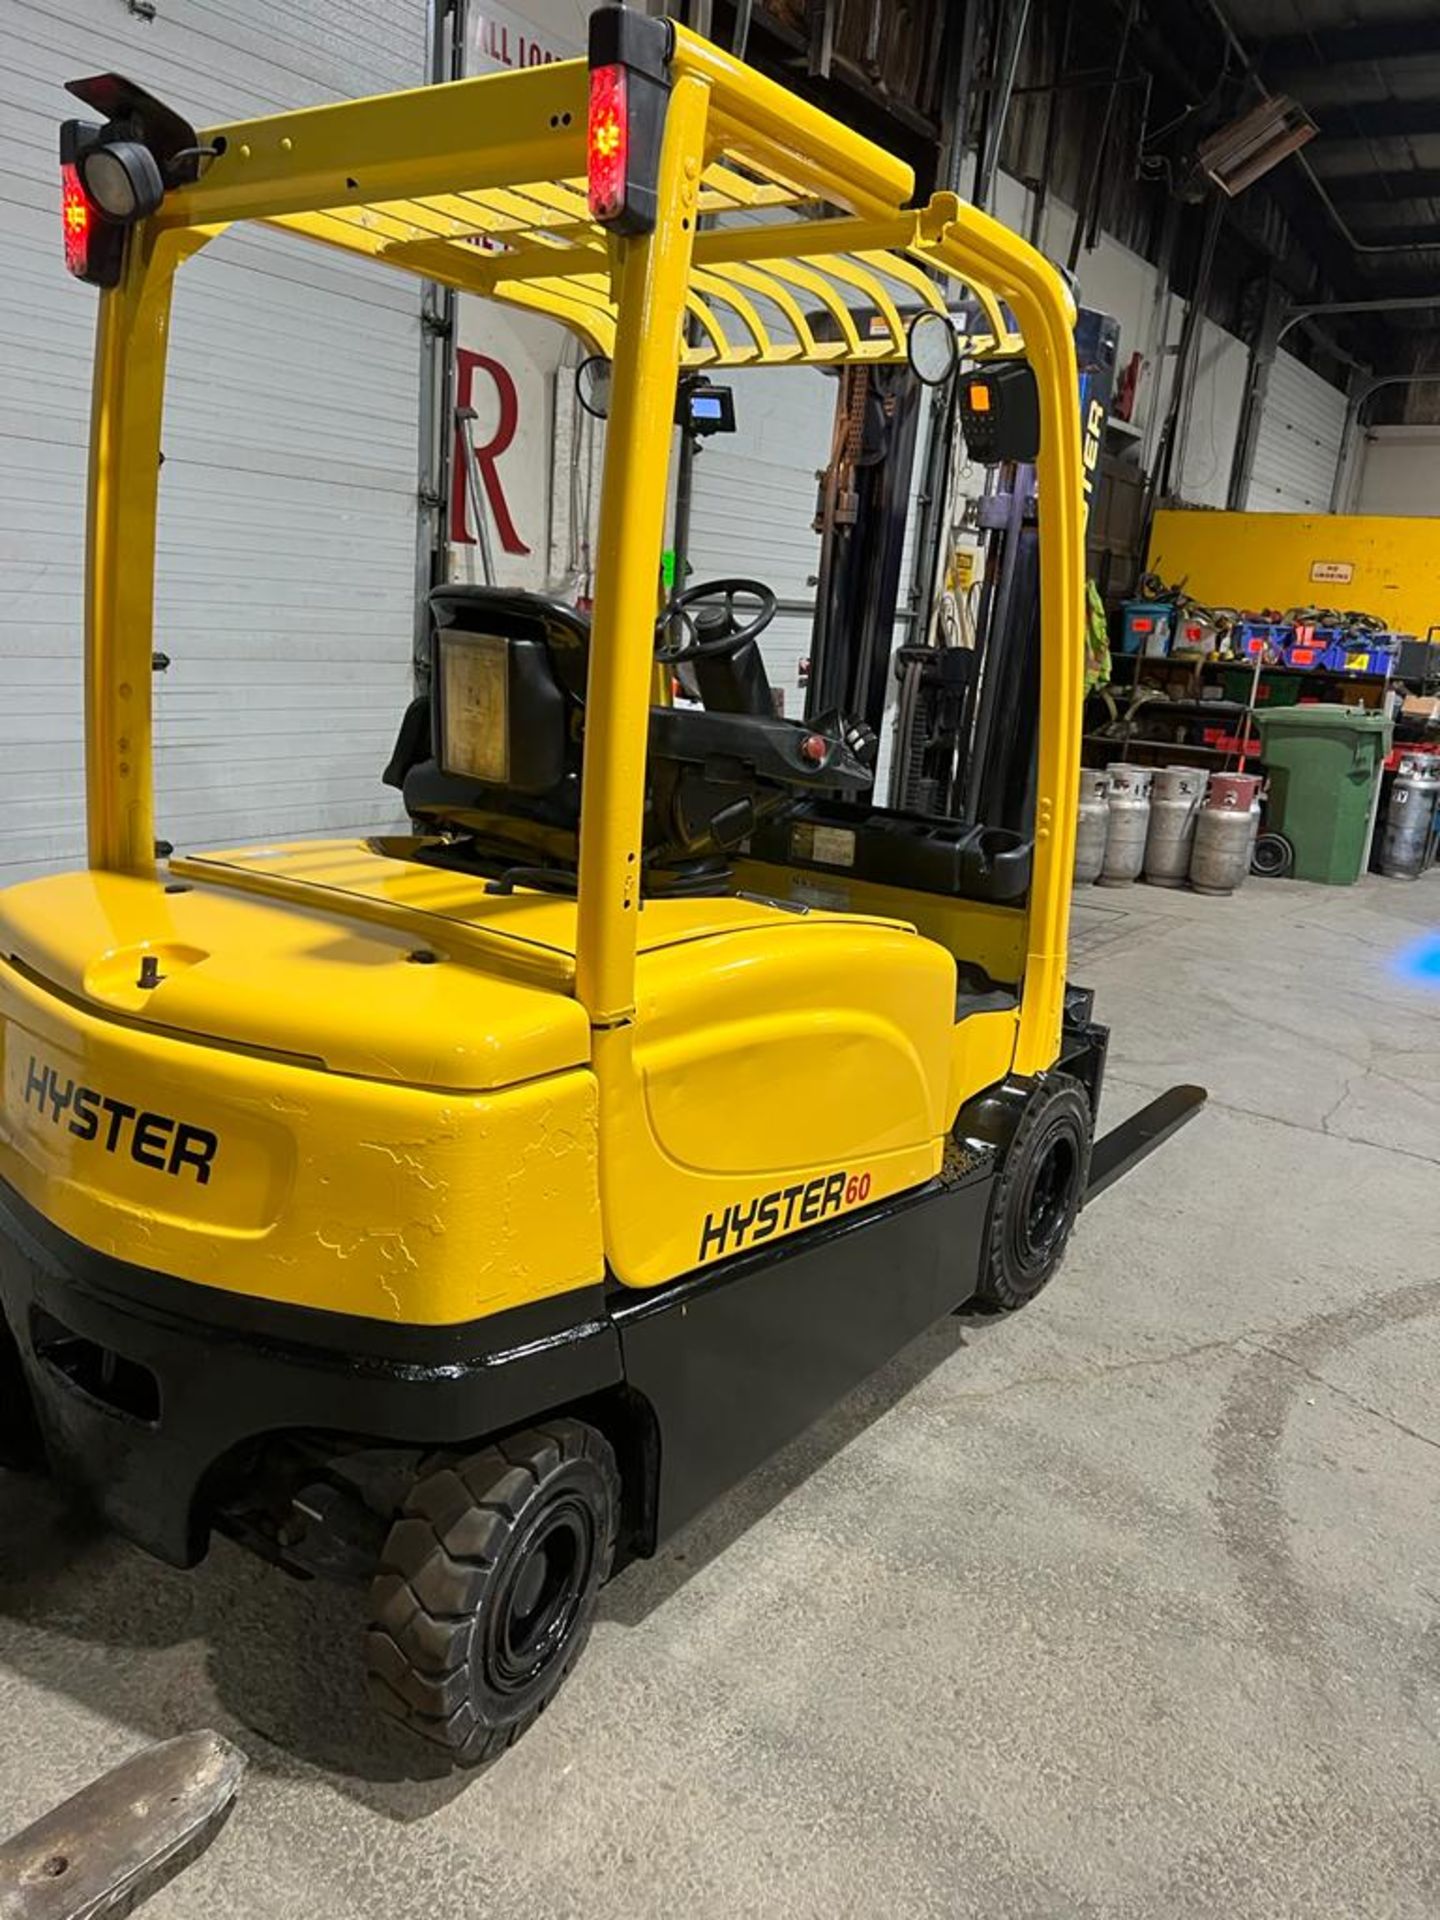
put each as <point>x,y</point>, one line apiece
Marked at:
<point>463,1210</point>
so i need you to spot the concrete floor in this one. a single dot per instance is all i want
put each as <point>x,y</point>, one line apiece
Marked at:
<point>1125,1606</point>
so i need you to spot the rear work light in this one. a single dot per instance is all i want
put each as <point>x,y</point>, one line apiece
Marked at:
<point>114,173</point>
<point>629,91</point>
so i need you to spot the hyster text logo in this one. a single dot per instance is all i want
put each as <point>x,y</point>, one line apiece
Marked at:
<point>1090,450</point>
<point>151,1138</point>
<point>745,1224</point>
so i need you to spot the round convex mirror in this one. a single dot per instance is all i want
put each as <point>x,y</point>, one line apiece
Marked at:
<point>592,385</point>
<point>931,347</point>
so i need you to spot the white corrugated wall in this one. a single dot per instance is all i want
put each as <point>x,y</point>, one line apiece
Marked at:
<point>1298,445</point>
<point>288,499</point>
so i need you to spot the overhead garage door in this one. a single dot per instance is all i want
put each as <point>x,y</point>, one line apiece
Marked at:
<point>288,497</point>
<point>1298,446</point>
<point>753,506</point>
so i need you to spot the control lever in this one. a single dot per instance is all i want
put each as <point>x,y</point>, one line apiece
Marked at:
<point>854,762</point>
<point>862,740</point>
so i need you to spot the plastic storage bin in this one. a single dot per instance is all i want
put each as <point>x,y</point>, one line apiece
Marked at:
<point>1149,626</point>
<point>1324,765</point>
<point>1254,636</point>
<point>1305,654</point>
<point>1275,689</point>
<point>1360,656</point>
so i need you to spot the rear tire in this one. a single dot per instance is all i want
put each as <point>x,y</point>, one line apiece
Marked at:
<point>1038,1194</point>
<point>488,1584</point>
<point>20,1444</point>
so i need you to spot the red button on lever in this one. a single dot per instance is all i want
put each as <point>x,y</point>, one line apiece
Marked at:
<point>813,749</point>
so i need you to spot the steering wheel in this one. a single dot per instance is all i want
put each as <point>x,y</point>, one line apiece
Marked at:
<point>725,593</point>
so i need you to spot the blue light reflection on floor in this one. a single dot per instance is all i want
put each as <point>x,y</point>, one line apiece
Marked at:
<point>1419,963</point>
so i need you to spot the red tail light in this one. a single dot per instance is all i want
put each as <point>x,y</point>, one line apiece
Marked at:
<point>629,92</point>
<point>609,142</point>
<point>77,218</point>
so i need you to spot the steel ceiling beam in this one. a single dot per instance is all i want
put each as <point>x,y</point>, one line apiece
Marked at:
<point>1363,190</point>
<point>1374,119</point>
<point>1422,236</point>
<point>1296,53</point>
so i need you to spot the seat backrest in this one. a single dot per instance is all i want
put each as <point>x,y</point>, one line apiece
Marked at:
<point>533,811</point>
<point>519,615</point>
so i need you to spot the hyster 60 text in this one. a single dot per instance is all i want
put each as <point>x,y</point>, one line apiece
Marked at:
<point>745,1223</point>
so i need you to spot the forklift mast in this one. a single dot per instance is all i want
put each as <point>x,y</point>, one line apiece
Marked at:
<point>864,502</point>
<point>966,723</point>
<point>998,785</point>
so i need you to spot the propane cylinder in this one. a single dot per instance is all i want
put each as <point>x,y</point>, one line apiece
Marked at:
<point>1127,825</point>
<point>1221,854</point>
<point>1175,797</point>
<point>1092,826</point>
<point>1410,817</point>
<point>1255,812</point>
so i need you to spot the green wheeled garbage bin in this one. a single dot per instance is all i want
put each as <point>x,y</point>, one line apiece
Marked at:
<point>1324,767</point>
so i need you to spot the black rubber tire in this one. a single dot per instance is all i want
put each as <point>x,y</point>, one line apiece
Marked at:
<point>441,1654</point>
<point>1039,1191</point>
<point>21,1447</point>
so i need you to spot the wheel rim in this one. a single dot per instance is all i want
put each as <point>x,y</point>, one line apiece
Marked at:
<point>540,1597</point>
<point>1044,1219</point>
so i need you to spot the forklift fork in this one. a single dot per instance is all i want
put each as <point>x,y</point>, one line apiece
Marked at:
<point>114,1843</point>
<point>1125,1146</point>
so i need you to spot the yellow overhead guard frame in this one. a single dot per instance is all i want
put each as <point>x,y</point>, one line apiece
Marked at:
<point>481,185</point>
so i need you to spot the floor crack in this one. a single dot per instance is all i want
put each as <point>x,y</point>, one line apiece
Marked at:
<point>1345,1093</point>
<point>1343,1393</point>
<point>1081,1376</point>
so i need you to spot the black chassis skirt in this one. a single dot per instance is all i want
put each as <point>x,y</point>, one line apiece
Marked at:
<point>219,1369</point>
<point>729,1362</point>
<point>736,1361</point>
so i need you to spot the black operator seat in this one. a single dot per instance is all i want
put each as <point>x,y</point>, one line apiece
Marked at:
<point>493,751</point>
<point>516,702</point>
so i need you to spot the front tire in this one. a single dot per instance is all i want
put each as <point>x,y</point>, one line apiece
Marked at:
<point>488,1584</point>
<point>1038,1194</point>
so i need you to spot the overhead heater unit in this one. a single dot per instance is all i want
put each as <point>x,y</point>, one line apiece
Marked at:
<point>1236,156</point>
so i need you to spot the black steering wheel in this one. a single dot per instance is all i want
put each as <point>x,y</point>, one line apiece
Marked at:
<point>727,637</point>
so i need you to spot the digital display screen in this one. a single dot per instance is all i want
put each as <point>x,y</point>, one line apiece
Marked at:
<point>701,407</point>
